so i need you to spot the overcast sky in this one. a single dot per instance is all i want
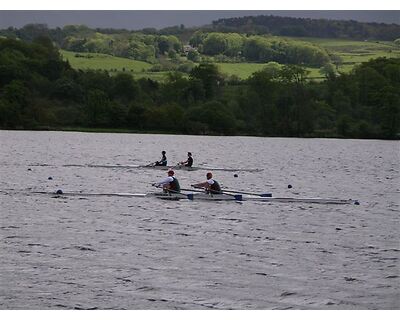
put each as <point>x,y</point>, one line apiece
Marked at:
<point>158,19</point>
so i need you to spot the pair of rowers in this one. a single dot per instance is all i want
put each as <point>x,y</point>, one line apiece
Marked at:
<point>163,161</point>
<point>171,184</point>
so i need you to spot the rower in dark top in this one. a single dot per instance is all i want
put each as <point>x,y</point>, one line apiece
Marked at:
<point>163,161</point>
<point>189,161</point>
<point>170,183</point>
<point>210,185</point>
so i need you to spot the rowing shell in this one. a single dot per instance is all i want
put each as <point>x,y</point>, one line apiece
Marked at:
<point>205,197</point>
<point>177,167</point>
<point>159,195</point>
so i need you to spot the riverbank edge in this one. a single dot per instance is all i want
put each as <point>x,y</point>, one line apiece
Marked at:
<point>327,135</point>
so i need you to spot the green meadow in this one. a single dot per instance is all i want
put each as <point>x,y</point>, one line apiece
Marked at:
<point>98,61</point>
<point>355,52</point>
<point>351,53</point>
<point>241,70</point>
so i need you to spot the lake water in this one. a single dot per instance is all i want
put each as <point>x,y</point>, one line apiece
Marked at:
<point>146,253</point>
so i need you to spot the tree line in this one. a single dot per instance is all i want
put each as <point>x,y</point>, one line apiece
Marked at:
<point>305,27</point>
<point>121,43</point>
<point>39,90</point>
<point>153,47</point>
<point>260,48</point>
<point>169,52</point>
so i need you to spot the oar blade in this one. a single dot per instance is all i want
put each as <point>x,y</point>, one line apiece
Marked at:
<point>190,196</point>
<point>266,195</point>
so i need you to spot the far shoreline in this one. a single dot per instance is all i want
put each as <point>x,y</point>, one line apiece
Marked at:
<point>131,131</point>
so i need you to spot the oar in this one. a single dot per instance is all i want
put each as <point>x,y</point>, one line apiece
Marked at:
<point>237,197</point>
<point>265,195</point>
<point>173,167</point>
<point>188,195</point>
<point>152,164</point>
<point>192,190</point>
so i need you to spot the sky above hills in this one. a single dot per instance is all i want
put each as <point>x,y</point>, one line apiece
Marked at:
<point>134,20</point>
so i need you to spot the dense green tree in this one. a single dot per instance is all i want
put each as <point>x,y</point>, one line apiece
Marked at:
<point>136,116</point>
<point>186,67</point>
<point>66,88</point>
<point>368,80</point>
<point>259,49</point>
<point>10,114</point>
<point>96,107</point>
<point>327,70</point>
<point>210,77</point>
<point>388,112</point>
<point>215,43</point>
<point>32,31</point>
<point>174,89</point>
<point>193,55</point>
<point>167,43</point>
<point>125,88</point>
<point>229,44</point>
<point>293,74</point>
<point>212,117</point>
<point>197,38</point>
<point>173,117</point>
<point>117,115</point>
<point>91,80</point>
<point>17,93</point>
<point>344,125</point>
<point>325,117</point>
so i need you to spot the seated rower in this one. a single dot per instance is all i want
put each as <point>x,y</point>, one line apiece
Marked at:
<point>188,162</point>
<point>163,161</point>
<point>210,185</point>
<point>169,184</point>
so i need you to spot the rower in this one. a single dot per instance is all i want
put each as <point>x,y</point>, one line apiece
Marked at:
<point>163,161</point>
<point>210,185</point>
<point>170,183</point>
<point>189,161</point>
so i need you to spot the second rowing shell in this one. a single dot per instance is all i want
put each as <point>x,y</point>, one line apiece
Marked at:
<point>177,167</point>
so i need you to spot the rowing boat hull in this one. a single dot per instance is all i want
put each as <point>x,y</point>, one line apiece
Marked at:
<point>195,196</point>
<point>167,196</point>
<point>204,197</point>
<point>177,167</point>
<point>216,197</point>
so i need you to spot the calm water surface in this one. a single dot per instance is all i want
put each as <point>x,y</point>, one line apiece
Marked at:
<point>144,253</point>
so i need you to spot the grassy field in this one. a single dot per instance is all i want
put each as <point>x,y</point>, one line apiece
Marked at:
<point>354,52</point>
<point>245,70</point>
<point>341,45</point>
<point>351,52</point>
<point>242,70</point>
<point>100,61</point>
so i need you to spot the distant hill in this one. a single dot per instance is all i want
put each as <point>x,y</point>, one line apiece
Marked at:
<point>305,27</point>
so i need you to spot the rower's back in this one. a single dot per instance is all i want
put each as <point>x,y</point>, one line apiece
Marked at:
<point>174,185</point>
<point>214,188</point>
